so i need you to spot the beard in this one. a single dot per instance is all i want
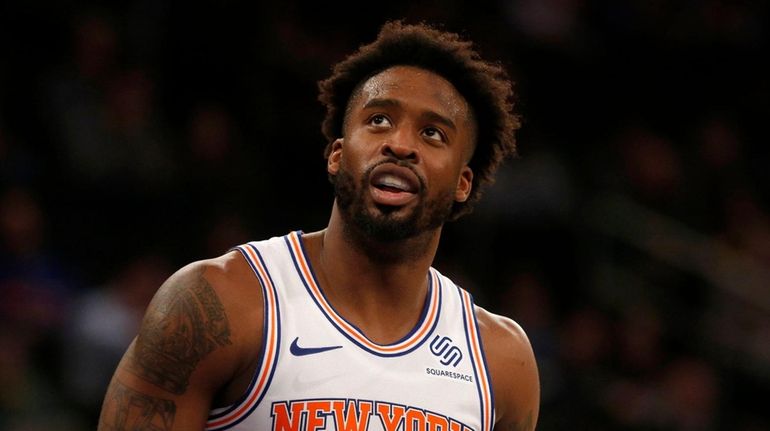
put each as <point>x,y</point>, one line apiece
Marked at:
<point>386,223</point>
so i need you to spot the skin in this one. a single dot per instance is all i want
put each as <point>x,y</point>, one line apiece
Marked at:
<point>197,346</point>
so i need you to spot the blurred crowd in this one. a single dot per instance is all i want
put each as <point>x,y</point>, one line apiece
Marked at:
<point>630,237</point>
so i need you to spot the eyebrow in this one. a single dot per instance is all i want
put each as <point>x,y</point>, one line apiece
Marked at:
<point>426,115</point>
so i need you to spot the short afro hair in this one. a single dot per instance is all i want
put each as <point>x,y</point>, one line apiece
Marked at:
<point>484,85</point>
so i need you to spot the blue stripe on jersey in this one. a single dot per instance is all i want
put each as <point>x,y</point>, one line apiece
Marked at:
<point>485,366</point>
<point>468,329</point>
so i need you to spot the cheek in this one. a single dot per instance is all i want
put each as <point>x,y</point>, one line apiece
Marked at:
<point>356,153</point>
<point>347,160</point>
<point>442,176</point>
<point>352,164</point>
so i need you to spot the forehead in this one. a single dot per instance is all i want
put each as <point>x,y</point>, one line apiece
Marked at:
<point>415,85</point>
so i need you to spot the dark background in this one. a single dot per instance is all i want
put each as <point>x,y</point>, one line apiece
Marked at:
<point>630,239</point>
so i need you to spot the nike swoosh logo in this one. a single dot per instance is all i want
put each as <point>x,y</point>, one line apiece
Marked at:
<point>296,350</point>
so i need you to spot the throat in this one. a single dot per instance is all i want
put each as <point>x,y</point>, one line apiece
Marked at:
<point>386,252</point>
<point>383,317</point>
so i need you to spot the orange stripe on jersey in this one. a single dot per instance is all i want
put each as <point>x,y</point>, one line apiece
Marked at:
<point>271,343</point>
<point>413,340</point>
<point>479,363</point>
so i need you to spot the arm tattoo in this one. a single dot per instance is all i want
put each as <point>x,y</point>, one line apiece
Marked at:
<point>186,327</point>
<point>524,425</point>
<point>127,409</point>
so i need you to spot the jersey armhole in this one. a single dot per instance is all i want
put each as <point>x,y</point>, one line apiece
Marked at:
<point>229,416</point>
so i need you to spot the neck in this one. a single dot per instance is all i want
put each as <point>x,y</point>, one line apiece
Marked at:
<point>380,286</point>
<point>392,261</point>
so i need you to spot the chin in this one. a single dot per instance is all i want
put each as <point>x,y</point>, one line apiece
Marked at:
<point>389,224</point>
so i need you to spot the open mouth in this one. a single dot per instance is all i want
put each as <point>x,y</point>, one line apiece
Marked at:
<point>393,185</point>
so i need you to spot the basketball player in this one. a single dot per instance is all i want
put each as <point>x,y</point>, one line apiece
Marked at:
<point>349,328</point>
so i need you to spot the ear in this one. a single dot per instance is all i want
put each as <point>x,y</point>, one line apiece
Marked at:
<point>464,184</point>
<point>333,161</point>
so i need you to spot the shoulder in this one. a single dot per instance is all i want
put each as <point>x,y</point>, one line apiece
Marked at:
<point>226,278</point>
<point>513,371</point>
<point>225,282</point>
<point>195,343</point>
<point>219,303</point>
<point>506,336</point>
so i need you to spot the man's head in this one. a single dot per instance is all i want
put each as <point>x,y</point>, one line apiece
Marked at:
<point>484,86</point>
<point>403,162</point>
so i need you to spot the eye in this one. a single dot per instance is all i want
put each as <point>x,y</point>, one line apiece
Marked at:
<point>379,120</point>
<point>434,134</point>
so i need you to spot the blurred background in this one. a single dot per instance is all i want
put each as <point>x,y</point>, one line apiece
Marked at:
<point>630,239</point>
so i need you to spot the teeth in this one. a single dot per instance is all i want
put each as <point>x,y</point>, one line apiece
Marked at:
<point>394,182</point>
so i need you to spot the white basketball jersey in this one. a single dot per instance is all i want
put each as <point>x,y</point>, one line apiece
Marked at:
<point>319,372</point>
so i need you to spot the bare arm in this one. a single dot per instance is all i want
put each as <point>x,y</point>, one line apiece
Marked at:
<point>186,352</point>
<point>514,373</point>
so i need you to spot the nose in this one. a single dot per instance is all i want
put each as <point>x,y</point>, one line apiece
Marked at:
<point>402,146</point>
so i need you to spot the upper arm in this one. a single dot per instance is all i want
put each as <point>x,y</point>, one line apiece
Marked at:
<point>187,348</point>
<point>513,371</point>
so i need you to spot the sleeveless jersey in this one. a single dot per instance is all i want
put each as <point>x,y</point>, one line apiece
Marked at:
<point>319,372</point>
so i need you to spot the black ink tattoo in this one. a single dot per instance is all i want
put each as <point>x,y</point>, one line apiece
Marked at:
<point>178,334</point>
<point>127,409</point>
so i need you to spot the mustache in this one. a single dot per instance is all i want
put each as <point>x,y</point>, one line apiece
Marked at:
<point>398,162</point>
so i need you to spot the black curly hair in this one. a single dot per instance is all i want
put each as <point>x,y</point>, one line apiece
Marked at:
<point>484,85</point>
